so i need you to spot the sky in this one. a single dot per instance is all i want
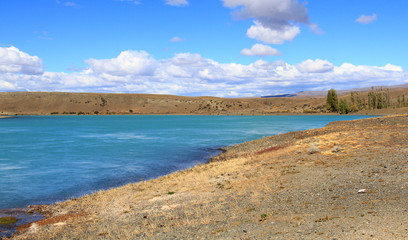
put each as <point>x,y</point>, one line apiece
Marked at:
<point>225,48</point>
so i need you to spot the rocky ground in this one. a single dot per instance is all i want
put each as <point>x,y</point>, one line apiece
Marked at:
<point>348,180</point>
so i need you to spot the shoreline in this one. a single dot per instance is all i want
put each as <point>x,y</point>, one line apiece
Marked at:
<point>371,113</point>
<point>29,209</point>
<point>251,191</point>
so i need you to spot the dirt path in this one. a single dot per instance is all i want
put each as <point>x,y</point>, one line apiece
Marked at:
<point>348,180</point>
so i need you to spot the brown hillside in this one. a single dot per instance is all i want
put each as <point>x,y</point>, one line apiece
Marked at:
<point>45,103</point>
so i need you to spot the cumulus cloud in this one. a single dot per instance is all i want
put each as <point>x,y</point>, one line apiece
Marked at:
<point>364,19</point>
<point>260,50</point>
<point>315,66</point>
<point>177,39</point>
<point>193,75</point>
<point>12,60</point>
<point>272,36</point>
<point>6,86</point>
<point>127,63</point>
<point>176,2</point>
<point>275,20</point>
<point>391,67</point>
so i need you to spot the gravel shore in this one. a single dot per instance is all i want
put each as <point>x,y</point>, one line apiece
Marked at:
<point>348,180</point>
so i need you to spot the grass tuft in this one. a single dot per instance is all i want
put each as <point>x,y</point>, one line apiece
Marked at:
<point>7,220</point>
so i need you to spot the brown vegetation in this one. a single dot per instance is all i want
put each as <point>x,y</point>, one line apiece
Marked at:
<point>97,103</point>
<point>57,103</point>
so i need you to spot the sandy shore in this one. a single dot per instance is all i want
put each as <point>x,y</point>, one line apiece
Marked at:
<point>348,180</point>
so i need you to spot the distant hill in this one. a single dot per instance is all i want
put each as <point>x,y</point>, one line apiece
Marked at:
<point>340,92</point>
<point>56,103</point>
<point>46,103</point>
<point>278,96</point>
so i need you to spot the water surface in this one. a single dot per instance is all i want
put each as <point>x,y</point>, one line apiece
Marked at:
<point>44,159</point>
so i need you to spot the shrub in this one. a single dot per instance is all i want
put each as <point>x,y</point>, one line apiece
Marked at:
<point>7,220</point>
<point>313,149</point>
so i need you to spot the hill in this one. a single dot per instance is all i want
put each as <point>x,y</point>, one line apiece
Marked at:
<point>49,103</point>
<point>45,103</point>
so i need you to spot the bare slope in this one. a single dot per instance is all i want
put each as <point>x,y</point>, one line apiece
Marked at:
<point>97,103</point>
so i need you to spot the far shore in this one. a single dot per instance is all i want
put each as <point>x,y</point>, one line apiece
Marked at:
<point>53,103</point>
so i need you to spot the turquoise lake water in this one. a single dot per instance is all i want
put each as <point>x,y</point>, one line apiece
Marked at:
<point>44,159</point>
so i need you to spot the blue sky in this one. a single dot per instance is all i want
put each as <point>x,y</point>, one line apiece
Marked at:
<point>196,47</point>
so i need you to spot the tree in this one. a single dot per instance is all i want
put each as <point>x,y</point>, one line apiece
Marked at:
<point>379,98</point>
<point>332,102</point>
<point>355,102</point>
<point>343,107</point>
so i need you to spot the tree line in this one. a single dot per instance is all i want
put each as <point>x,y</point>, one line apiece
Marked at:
<point>377,98</point>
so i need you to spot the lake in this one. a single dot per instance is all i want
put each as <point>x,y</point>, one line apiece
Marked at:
<point>44,159</point>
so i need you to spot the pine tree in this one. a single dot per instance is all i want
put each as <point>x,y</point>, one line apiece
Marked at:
<point>343,107</point>
<point>332,102</point>
<point>352,98</point>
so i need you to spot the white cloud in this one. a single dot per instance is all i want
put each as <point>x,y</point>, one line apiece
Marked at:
<point>12,60</point>
<point>364,19</point>
<point>193,75</point>
<point>176,2</point>
<point>275,20</point>
<point>260,50</point>
<point>391,67</point>
<point>177,39</point>
<point>316,66</point>
<point>271,11</point>
<point>127,63</point>
<point>272,36</point>
<point>189,60</point>
<point>6,86</point>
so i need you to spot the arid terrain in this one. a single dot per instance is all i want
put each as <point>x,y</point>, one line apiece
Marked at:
<point>95,103</point>
<point>58,103</point>
<point>348,180</point>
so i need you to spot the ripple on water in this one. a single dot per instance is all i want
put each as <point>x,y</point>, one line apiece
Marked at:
<point>8,168</point>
